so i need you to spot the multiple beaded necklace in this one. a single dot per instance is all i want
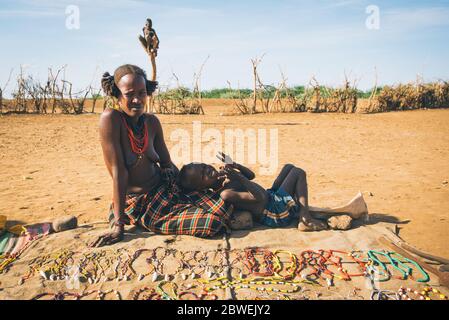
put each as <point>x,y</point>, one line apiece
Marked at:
<point>137,134</point>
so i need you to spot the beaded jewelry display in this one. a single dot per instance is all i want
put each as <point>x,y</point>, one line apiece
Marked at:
<point>258,269</point>
<point>425,294</point>
<point>146,293</point>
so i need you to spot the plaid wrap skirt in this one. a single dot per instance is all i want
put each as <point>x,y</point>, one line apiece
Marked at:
<point>166,210</point>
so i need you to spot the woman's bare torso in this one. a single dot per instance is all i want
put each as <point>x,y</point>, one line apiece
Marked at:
<point>143,171</point>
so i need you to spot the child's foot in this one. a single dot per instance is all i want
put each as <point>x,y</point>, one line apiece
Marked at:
<point>64,223</point>
<point>340,222</point>
<point>311,225</point>
<point>241,220</point>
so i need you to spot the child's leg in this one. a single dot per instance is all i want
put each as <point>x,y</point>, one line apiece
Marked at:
<point>281,177</point>
<point>295,183</point>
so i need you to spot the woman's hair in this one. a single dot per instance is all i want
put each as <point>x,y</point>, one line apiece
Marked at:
<point>109,82</point>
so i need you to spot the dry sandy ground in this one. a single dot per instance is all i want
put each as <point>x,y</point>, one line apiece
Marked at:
<point>52,165</point>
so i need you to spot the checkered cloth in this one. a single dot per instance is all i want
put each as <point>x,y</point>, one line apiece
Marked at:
<point>166,210</point>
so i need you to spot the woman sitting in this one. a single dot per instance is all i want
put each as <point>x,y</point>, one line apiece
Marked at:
<point>138,161</point>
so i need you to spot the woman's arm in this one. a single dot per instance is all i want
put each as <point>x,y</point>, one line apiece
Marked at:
<point>159,143</point>
<point>113,158</point>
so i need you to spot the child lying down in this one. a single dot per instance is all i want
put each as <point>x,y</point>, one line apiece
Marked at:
<point>274,207</point>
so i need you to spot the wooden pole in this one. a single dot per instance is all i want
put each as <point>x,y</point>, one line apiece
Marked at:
<point>153,65</point>
<point>253,109</point>
<point>150,101</point>
<point>152,55</point>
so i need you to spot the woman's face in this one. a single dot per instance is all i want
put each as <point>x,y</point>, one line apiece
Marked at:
<point>133,94</point>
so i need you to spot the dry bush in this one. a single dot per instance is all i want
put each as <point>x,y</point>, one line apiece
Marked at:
<point>56,94</point>
<point>410,97</point>
<point>343,99</point>
<point>322,99</point>
<point>109,102</point>
<point>267,97</point>
<point>300,104</point>
<point>314,97</point>
<point>434,95</point>
<point>77,100</point>
<point>19,94</point>
<point>285,101</point>
<point>36,94</point>
<point>180,100</point>
<point>177,101</point>
<point>95,95</point>
<point>261,91</point>
<point>241,105</point>
<point>32,96</point>
<point>2,102</point>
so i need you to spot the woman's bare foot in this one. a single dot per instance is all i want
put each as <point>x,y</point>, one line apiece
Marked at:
<point>311,225</point>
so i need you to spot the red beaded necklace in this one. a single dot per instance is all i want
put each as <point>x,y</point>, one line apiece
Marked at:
<point>139,141</point>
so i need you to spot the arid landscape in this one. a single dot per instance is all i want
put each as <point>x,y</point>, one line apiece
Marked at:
<point>52,165</point>
<point>354,93</point>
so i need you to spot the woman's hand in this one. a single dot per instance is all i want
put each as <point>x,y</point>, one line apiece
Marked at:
<point>114,236</point>
<point>168,174</point>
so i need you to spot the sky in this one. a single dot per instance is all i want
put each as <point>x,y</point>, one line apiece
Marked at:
<point>302,39</point>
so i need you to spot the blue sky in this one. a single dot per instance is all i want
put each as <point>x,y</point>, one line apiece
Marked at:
<point>320,38</point>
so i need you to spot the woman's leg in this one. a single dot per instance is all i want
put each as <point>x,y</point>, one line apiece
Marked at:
<point>295,183</point>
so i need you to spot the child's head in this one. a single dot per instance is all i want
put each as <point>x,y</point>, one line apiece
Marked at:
<point>198,177</point>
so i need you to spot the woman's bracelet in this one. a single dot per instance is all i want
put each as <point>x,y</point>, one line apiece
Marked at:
<point>119,222</point>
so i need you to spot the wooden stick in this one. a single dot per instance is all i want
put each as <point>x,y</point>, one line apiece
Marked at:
<point>423,254</point>
<point>431,259</point>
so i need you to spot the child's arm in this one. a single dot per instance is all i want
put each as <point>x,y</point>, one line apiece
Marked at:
<point>248,173</point>
<point>253,194</point>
